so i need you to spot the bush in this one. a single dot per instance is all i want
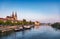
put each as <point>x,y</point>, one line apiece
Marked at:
<point>56,25</point>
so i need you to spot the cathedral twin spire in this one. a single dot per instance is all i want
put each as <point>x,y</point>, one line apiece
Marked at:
<point>14,15</point>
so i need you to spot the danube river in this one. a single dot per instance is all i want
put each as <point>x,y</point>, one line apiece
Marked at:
<point>38,32</point>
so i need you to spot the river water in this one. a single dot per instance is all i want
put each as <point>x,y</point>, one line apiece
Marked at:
<point>38,32</point>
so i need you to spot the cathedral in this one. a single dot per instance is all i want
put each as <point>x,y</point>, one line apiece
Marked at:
<point>12,18</point>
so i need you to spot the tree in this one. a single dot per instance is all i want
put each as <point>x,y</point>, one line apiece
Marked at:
<point>30,22</point>
<point>56,25</point>
<point>8,22</point>
<point>18,23</point>
<point>1,22</point>
<point>24,22</point>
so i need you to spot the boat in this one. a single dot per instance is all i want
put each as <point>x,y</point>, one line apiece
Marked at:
<point>18,29</point>
<point>27,27</point>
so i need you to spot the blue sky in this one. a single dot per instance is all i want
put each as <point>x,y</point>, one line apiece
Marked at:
<point>40,10</point>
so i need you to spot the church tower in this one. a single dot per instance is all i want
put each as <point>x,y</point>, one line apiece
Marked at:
<point>15,16</point>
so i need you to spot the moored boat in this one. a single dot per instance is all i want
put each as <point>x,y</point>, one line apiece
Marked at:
<point>27,27</point>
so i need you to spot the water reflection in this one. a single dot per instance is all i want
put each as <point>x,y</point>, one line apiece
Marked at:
<point>37,27</point>
<point>38,32</point>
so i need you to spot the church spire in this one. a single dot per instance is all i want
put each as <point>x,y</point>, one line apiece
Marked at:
<point>13,14</point>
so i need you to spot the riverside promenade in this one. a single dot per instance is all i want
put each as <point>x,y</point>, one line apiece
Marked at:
<point>13,28</point>
<point>7,28</point>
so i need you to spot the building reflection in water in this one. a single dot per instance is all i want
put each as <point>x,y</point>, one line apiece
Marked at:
<point>37,27</point>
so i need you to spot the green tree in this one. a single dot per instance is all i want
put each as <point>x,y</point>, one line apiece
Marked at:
<point>18,23</point>
<point>8,22</point>
<point>56,25</point>
<point>30,22</point>
<point>24,22</point>
<point>1,22</point>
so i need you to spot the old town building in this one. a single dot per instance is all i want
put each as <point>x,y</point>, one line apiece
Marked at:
<point>12,18</point>
<point>37,23</point>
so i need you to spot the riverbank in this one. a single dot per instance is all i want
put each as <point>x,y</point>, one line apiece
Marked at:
<point>14,28</point>
<point>56,25</point>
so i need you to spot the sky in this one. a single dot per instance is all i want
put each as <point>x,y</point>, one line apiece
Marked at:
<point>45,11</point>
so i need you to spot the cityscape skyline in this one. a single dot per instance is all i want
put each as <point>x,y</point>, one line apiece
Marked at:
<point>34,10</point>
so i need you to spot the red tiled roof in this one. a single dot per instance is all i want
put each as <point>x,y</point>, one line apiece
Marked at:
<point>3,19</point>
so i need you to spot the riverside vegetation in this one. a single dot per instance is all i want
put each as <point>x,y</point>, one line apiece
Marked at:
<point>8,22</point>
<point>56,25</point>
